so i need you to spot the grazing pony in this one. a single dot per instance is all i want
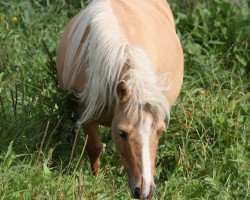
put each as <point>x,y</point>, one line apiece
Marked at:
<point>123,61</point>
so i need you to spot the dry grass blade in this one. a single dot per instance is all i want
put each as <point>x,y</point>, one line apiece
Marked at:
<point>41,145</point>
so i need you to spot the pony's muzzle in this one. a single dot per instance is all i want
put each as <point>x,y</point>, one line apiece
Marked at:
<point>136,193</point>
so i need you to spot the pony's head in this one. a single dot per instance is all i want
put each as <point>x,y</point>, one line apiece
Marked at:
<point>136,129</point>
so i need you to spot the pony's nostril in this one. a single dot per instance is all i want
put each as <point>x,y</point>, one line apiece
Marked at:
<point>136,193</point>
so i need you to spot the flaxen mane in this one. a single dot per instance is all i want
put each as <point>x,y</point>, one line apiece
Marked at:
<point>103,56</point>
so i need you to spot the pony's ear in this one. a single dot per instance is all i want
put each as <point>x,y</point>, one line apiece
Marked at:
<point>122,91</point>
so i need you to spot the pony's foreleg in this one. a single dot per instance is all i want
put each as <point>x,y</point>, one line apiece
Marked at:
<point>94,146</point>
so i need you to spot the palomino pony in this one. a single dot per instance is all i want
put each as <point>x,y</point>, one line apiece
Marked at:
<point>123,60</point>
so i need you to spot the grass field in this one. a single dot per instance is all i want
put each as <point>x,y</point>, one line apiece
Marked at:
<point>204,154</point>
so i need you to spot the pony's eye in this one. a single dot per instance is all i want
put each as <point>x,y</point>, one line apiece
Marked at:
<point>123,134</point>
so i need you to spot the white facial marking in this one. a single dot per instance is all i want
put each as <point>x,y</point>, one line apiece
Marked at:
<point>145,132</point>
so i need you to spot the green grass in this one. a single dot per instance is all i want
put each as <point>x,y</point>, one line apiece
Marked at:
<point>205,153</point>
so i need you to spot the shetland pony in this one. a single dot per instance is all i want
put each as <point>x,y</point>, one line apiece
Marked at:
<point>123,60</point>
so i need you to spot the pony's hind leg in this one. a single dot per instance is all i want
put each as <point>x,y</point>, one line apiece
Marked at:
<point>94,146</point>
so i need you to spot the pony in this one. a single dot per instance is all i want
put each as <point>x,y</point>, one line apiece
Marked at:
<point>123,61</point>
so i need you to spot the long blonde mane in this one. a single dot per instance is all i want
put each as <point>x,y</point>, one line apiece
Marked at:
<point>102,57</point>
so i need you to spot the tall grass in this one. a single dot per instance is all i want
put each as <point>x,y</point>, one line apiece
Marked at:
<point>204,153</point>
